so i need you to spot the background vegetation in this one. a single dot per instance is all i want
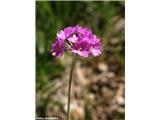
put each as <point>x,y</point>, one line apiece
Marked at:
<point>98,83</point>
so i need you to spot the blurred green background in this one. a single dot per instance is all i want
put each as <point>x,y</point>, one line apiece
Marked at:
<point>99,92</point>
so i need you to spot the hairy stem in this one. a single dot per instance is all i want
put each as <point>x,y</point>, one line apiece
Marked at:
<point>69,89</point>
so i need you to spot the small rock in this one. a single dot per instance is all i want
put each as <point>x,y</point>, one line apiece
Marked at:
<point>91,96</point>
<point>110,74</point>
<point>77,112</point>
<point>102,67</point>
<point>114,41</point>
<point>120,25</point>
<point>120,100</point>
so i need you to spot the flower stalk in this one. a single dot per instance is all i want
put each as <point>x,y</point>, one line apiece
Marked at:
<point>79,41</point>
<point>69,88</point>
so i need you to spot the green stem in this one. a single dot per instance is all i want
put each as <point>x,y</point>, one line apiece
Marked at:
<point>69,89</point>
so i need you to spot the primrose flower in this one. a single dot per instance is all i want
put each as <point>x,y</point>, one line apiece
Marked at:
<point>79,40</point>
<point>58,48</point>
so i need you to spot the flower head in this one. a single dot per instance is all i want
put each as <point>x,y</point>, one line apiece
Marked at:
<point>81,41</point>
<point>58,48</point>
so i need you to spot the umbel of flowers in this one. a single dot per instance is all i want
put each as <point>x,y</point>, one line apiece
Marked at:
<point>79,40</point>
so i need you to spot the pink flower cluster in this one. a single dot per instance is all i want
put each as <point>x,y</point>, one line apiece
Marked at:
<point>79,40</point>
